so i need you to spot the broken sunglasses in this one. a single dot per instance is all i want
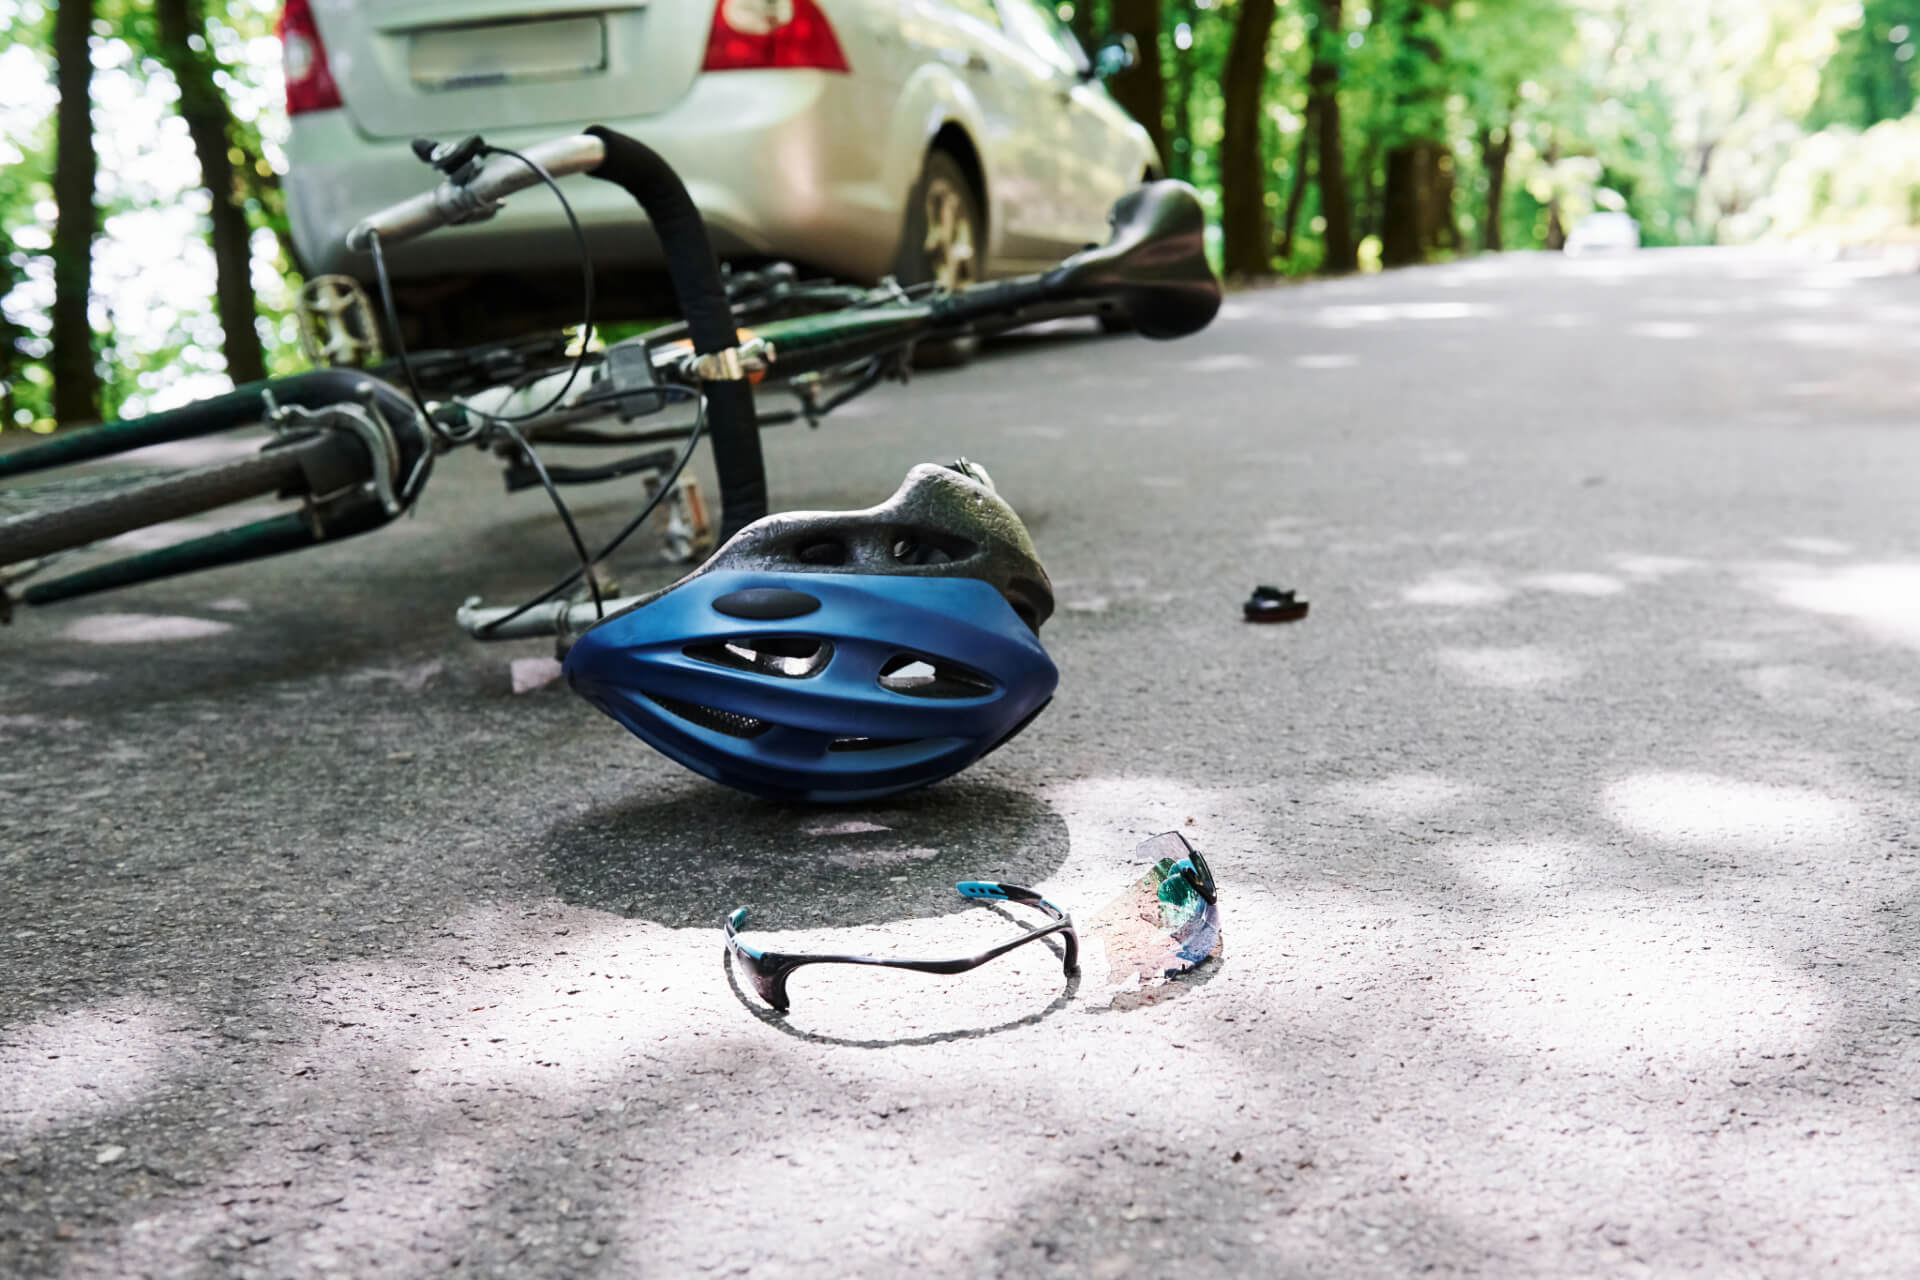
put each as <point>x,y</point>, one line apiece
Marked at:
<point>1173,904</point>
<point>769,970</point>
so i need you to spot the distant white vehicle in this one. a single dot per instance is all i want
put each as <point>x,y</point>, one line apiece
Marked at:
<point>1603,232</point>
<point>947,140</point>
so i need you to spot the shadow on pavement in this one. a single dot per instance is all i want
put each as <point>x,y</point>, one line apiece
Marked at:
<point>689,859</point>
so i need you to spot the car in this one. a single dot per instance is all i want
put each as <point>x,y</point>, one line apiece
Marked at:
<point>929,140</point>
<point>1603,231</point>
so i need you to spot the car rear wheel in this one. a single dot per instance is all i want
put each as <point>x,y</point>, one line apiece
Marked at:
<point>944,243</point>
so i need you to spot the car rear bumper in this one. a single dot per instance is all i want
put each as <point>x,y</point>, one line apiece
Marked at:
<point>780,163</point>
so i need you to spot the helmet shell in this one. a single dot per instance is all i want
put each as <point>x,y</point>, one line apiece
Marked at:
<point>837,656</point>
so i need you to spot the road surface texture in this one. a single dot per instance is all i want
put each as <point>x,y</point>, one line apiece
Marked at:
<point>1570,849</point>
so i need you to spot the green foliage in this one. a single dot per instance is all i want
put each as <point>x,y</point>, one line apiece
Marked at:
<point>1707,120</point>
<point>26,161</point>
<point>171,347</point>
<point>1874,73</point>
<point>1848,187</point>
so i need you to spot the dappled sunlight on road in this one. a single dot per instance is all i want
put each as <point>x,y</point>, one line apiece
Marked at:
<point>1521,667</point>
<point>1575,584</point>
<point>1809,691</point>
<point>1325,362</point>
<point>80,1066</point>
<point>1519,870</point>
<point>1402,795</point>
<point>1882,600</point>
<point>1666,330</point>
<point>1652,568</point>
<point>1730,815</point>
<point>1616,980</point>
<point>1457,588</point>
<point>1352,316</point>
<point>140,628</point>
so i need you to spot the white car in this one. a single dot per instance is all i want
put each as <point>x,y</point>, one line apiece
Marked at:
<point>1602,232</point>
<point>946,140</point>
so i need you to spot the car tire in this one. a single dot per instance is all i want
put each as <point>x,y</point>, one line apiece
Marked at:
<point>943,241</point>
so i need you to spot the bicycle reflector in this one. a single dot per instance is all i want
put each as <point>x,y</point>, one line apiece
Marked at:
<point>832,656</point>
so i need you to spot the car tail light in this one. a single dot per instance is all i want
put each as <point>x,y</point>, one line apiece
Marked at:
<point>310,85</point>
<point>751,34</point>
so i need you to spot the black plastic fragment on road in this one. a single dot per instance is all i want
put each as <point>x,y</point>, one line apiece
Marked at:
<point>1271,604</point>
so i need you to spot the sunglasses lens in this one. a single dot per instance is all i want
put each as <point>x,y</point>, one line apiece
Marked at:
<point>1160,926</point>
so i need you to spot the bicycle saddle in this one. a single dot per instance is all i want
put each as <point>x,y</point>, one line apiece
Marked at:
<point>838,655</point>
<point>1155,262</point>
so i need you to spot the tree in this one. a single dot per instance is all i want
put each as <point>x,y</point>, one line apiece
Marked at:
<point>1245,244</point>
<point>1496,145</point>
<point>1415,181</point>
<point>1504,55</point>
<point>1323,119</point>
<point>1297,191</point>
<point>1142,91</point>
<point>210,123</point>
<point>1874,74</point>
<point>1185,73</point>
<point>76,382</point>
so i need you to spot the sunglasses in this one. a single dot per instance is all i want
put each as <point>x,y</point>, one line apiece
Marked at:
<point>1165,922</point>
<point>769,970</point>
<point>1173,856</point>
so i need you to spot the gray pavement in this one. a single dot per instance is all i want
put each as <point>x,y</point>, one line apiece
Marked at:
<point>1570,849</point>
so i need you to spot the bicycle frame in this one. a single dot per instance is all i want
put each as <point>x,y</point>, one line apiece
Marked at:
<point>1154,267</point>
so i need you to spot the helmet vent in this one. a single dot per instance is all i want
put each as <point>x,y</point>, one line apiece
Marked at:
<point>824,551</point>
<point>919,677</point>
<point>730,723</point>
<point>930,547</point>
<point>789,657</point>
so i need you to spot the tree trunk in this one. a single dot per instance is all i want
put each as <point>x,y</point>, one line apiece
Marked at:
<point>1411,213</point>
<point>1369,213</point>
<point>1245,244</point>
<point>209,123</point>
<point>1403,215</point>
<point>1143,90</point>
<point>1180,99</point>
<point>1298,196</point>
<point>1323,110</point>
<point>1083,24</point>
<point>76,380</point>
<point>1443,225</point>
<point>1495,144</point>
<point>1556,229</point>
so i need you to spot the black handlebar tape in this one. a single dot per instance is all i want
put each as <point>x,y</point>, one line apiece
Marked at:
<point>731,423</point>
<point>240,407</point>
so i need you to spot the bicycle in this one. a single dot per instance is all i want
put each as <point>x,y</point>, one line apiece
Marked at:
<point>355,448</point>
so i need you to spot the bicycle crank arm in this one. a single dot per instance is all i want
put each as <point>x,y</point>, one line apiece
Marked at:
<point>567,619</point>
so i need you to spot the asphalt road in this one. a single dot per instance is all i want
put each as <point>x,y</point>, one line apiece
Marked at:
<point>1570,849</point>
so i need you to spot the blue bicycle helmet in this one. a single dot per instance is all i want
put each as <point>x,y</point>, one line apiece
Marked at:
<point>838,655</point>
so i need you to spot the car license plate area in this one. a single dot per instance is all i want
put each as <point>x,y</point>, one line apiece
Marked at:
<point>507,53</point>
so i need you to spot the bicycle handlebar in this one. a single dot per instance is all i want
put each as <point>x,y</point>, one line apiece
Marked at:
<point>454,202</point>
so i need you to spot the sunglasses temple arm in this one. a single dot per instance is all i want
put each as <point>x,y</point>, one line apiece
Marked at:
<point>1070,941</point>
<point>771,969</point>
